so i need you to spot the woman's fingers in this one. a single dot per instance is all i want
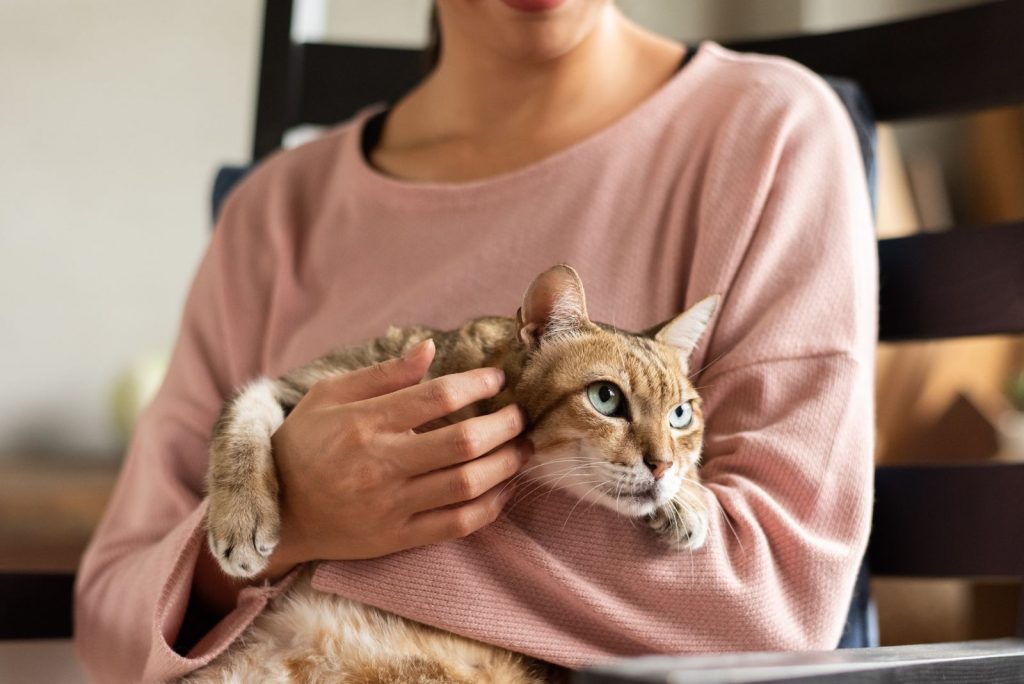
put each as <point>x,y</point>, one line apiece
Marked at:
<point>381,378</point>
<point>413,406</point>
<point>467,481</point>
<point>443,524</point>
<point>464,441</point>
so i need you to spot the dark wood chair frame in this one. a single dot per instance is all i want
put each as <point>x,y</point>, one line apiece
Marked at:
<point>942,521</point>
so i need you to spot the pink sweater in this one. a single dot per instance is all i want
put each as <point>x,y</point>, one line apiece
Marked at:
<point>741,176</point>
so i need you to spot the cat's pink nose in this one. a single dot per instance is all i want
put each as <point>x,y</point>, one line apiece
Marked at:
<point>657,466</point>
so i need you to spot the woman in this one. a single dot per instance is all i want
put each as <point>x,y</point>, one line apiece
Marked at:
<point>550,131</point>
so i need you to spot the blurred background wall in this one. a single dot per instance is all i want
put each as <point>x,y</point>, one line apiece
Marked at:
<point>115,116</point>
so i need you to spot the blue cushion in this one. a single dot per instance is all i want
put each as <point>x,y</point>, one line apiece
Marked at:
<point>227,178</point>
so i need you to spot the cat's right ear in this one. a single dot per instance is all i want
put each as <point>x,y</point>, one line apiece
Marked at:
<point>554,304</point>
<point>685,330</point>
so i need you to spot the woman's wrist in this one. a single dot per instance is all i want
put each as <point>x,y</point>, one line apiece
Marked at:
<point>288,553</point>
<point>282,561</point>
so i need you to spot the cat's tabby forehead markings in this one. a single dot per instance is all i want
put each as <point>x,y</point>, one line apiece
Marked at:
<point>649,373</point>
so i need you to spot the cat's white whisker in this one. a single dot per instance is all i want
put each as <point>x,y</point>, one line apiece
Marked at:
<point>540,481</point>
<point>545,489</point>
<point>523,473</point>
<point>600,484</point>
<point>722,511</point>
<point>705,366</point>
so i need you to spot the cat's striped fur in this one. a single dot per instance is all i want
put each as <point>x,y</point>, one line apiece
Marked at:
<point>551,354</point>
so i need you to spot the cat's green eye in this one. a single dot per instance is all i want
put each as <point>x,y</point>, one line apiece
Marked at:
<point>681,416</point>
<point>606,398</point>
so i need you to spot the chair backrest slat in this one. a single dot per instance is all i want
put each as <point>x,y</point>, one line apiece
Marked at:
<point>968,281</point>
<point>339,80</point>
<point>35,605</point>
<point>949,521</point>
<point>278,80</point>
<point>956,61</point>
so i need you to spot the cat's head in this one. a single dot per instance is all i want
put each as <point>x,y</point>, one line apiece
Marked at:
<point>614,417</point>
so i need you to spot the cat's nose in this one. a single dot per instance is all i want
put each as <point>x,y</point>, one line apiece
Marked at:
<point>657,466</point>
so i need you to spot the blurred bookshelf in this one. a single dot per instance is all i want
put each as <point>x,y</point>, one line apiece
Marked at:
<point>945,401</point>
<point>49,508</point>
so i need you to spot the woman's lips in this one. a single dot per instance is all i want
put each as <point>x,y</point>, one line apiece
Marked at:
<point>533,5</point>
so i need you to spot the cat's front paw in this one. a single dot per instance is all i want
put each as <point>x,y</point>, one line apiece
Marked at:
<point>681,525</point>
<point>243,530</point>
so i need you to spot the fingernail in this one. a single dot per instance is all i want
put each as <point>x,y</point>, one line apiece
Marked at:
<point>500,374</point>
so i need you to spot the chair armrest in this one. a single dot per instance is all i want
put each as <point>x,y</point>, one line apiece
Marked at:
<point>36,606</point>
<point>999,660</point>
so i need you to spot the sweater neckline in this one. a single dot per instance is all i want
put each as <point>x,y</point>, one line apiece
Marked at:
<point>371,180</point>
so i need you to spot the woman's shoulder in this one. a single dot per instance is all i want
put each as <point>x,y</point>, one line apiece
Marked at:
<point>769,86</point>
<point>296,175</point>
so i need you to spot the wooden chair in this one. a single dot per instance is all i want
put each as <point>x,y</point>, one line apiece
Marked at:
<point>962,521</point>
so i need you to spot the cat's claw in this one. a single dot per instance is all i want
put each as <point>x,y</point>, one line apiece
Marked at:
<point>242,534</point>
<point>680,527</point>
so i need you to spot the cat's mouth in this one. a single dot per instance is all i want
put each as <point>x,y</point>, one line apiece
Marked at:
<point>643,494</point>
<point>638,500</point>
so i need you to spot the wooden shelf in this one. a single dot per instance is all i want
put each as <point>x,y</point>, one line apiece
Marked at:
<point>48,511</point>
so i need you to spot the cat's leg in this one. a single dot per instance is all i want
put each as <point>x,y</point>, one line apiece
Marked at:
<point>683,522</point>
<point>243,521</point>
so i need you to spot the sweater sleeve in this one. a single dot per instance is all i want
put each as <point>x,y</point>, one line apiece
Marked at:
<point>789,390</point>
<point>787,380</point>
<point>135,579</point>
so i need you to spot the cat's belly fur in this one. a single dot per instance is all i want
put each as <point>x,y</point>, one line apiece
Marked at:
<point>309,636</point>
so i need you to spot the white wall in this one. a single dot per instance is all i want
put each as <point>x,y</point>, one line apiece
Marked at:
<point>827,15</point>
<point>397,23</point>
<point>728,19</point>
<point>113,118</point>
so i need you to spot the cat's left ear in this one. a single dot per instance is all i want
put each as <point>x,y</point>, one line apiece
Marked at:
<point>554,304</point>
<point>684,331</point>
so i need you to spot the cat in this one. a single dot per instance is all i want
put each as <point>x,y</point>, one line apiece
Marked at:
<point>621,402</point>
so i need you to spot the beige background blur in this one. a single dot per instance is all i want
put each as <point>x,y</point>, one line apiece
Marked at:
<point>114,118</point>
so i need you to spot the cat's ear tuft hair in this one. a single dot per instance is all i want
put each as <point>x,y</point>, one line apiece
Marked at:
<point>554,304</point>
<point>684,331</point>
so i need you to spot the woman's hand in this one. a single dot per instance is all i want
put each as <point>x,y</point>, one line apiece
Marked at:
<point>357,481</point>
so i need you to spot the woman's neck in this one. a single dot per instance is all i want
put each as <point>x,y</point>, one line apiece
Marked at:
<point>480,113</point>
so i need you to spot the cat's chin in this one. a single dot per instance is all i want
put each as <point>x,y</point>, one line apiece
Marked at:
<point>629,505</point>
<point>632,507</point>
